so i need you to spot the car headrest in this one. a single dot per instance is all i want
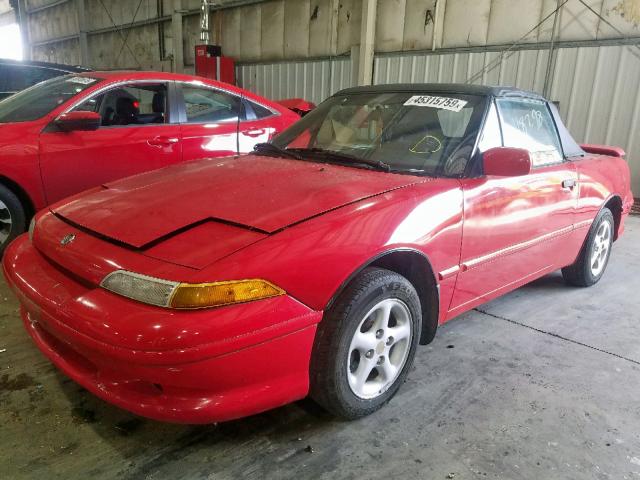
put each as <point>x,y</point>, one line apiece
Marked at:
<point>157,103</point>
<point>125,107</point>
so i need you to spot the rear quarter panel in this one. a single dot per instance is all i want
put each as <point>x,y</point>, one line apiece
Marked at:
<point>600,179</point>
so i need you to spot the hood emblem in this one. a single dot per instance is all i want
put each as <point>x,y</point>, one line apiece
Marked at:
<point>67,239</point>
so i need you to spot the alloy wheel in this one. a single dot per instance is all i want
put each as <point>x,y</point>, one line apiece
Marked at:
<point>5,222</point>
<point>379,348</point>
<point>600,249</point>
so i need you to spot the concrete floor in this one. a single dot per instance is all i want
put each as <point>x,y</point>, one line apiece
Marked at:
<point>543,383</point>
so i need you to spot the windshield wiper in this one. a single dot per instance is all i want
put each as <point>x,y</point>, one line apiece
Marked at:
<point>342,157</point>
<point>271,149</point>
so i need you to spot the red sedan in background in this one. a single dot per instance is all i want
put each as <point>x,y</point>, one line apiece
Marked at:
<point>74,132</point>
<point>217,289</point>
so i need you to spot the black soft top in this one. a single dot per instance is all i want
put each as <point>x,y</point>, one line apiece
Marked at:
<point>569,146</point>
<point>462,88</point>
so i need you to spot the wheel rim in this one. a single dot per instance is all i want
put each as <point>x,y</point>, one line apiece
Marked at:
<point>601,247</point>
<point>379,348</point>
<point>5,222</point>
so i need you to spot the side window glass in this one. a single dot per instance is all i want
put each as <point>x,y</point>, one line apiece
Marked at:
<point>527,123</point>
<point>203,105</point>
<point>90,105</point>
<point>491,134</point>
<point>139,104</point>
<point>260,111</point>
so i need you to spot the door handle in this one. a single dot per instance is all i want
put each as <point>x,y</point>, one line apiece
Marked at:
<point>255,133</point>
<point>569,183</point>
<point>163,141</point>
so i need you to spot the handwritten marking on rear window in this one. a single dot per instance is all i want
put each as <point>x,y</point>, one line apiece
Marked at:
<point>530,120</point>
<point>444,103</point>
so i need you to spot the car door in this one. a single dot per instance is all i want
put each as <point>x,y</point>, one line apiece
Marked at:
<point>516,228</point>
<point>259,125</point>
<point>209,120</point>
<point>138,134</point>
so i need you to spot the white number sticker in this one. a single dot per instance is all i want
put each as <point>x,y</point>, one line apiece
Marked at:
<point>444,103</point>
<point>82,80</point>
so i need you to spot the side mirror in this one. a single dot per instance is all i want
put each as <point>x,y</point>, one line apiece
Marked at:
<point>84,121</point>
<point>506,162</point>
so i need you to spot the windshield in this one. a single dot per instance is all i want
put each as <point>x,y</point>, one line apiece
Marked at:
<point>39,100</point>
<point>431,134</point>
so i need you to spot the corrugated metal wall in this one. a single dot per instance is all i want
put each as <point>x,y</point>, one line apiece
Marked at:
<point>311,80</point>
<point>596,86</point>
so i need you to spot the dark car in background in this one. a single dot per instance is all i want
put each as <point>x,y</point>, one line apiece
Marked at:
<point>16,75</point>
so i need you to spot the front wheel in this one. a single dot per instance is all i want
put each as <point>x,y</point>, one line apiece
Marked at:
<point>12,217</point>
<point>594,256</point>
<point>366,343</point>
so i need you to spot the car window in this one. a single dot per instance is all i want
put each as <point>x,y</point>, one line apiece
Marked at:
<point>430,133</point>
<point>204,105</point>
<point>14,78</point>
<point>260,111</point>
<point>527,123</point>
<point>41,99</point>
<point>137,104</point>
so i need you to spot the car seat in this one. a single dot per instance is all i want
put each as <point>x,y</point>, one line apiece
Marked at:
<point>126,112</point>
<point>158,107</point>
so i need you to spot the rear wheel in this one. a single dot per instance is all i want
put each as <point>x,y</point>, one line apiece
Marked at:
<point>594,256</point>
<point>366,343</point>
<point>12,217</point>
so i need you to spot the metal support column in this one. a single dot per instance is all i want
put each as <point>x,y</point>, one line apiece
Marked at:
<point>367,42</point>
<point>82,32</point>
<point>23,20</point>
<point>176,32</point>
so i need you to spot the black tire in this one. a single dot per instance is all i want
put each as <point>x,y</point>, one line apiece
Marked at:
<point>581,274</point>
<point>13,212</point>
<point>331,357</point>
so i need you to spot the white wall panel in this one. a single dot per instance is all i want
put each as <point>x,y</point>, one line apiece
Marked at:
<point>311,80</point>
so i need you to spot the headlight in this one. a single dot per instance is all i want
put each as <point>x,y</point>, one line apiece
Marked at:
<point>32,227</point>
<point>165,293</point>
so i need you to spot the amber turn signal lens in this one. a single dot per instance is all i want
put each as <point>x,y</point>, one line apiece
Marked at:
<point>206,295</point>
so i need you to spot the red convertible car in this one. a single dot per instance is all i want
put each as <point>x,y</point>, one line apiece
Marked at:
<point>221,288</point>
<point>78,131</point>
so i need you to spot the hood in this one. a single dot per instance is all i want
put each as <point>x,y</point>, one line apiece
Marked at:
<point>251,194</point>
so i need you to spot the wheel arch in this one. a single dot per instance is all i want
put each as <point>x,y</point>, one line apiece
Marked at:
<point>614,204</point>
<point>23,196</point>
<point>415,267</point>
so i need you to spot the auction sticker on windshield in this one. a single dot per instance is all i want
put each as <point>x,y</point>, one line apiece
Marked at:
<point>444,103</point>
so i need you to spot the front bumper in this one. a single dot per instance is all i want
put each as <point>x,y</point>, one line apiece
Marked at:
<point>215,379</point>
